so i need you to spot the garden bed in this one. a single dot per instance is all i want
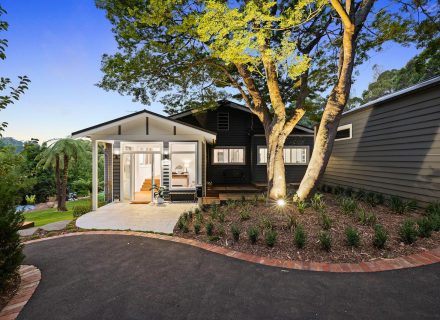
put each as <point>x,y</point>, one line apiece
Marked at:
<point>330,215</point>
<point>9,290</point>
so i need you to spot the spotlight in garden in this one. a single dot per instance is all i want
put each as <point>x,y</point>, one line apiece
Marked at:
<point>281,202</point>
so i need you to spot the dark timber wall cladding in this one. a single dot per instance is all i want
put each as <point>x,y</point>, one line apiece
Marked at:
<point>395,148</point>
<point>108,176</point>
<point>116,177</point>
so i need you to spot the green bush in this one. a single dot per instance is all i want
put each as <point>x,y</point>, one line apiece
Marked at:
<point>425,227</point>
<point>291,222</point>
<point>245,213</point>
<point>374,199</point>
<point>353,238</point>
<point>326,222</point>
<point>301,205</point>
<point>253,234</point>
<point>348,192</point>
<point>348,205</point>
<point>325,240</point>
<point>214,211</point>
<point>270,237</point>
<point>30,199</point>
<point>360,194</point>
<point>79,210</point>
<point>339,190</point>
<point>367,218</point>
<point>221,216</point>
<point>433,208</point>
<point>209,228</point>
<point>197,226</point>
<point>266,223</point>
<point>185,228</point>
<point>213,238</point>
<point>408,232</point>
<point>299,237</point>
<point>401,206</point>
<point>380,236</point>
<point>435,222</point>
<point>235,230</point>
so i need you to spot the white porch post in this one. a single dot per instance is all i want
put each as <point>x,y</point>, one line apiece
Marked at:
<point>94,174</point>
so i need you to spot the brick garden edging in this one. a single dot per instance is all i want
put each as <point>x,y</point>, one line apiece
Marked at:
<point>30,278</point>
<point>415,260</point>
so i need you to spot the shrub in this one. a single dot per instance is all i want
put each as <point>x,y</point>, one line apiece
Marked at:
<point>213,238</point>
<point>373,199</point>
<point>348,205</point>
<point>435,221</point>
<point>220,230</point>
<point>185,228</point>
<point>199,217</point>
<point>361,194</point>
<point>349,192</point>
<point>180,223</point>
<point>339,190</point>
<point>197,226</point>
<point>266,223</point>
<point>270,237</point>
<point>408,232</point>
<point>380,236</point>
<point>253,235</point>
<point>325,240</point>
<point>30,199</point>
<point>367,218</point>
<point>221,216</point>
<point>317,201</point>
<point>425,227</point>
<point>291,222</point>
<point>185,216</point>
<point>196,211</point>
<point>245,213</point>
<point>433,208</point>
<point>401,206</point>
<point>326,222</point>
<point>299,237</point>
<point>301,205</point>
<point>209,228</point>
<point>235,230</point>
<point>79,210</point>
<point>214,211</point>
<point>353,238</point>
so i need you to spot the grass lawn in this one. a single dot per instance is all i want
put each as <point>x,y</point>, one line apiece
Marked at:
<point>42,217</point>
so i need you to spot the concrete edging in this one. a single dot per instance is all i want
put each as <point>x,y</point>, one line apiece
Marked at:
<point>415,260</point>
<point>30,278</point>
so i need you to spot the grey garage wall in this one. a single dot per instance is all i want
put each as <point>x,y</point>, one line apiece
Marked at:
<point>395,148</point>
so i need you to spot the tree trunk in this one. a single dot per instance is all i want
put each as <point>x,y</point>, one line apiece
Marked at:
<point>330,119</point>
<point>276,176</point>
<point>62,206</point>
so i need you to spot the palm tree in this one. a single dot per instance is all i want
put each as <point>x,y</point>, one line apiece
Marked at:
<point>58,156</point>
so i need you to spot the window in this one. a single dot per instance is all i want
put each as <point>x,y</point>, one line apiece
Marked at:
<point>228,155</point>
<point>183,164</point>
<point>223,121</point>
<point>344,132</point>
<point>292,155</point>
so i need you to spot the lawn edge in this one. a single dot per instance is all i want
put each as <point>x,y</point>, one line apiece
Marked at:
<point>30,277</point>
<point>422,258</point>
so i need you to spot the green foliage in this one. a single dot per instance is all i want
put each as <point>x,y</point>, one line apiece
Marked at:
<point>214,211</point>
<point>253,234</point>
<point>299,237</point>
<point>221,216</point>
<point>433,208</point>
<point>325,240</point>
<point>180,223</point>
<point>266,223</point>
<point>235,230</point>
<point>367,218</point>
<point>380,236</point>
<point>408,232</point>
<point>348,205</point>
<point>213,238</point>
<point>401,206</point>
<point>374,199</point>
<point>245,213</point>
<point>360,194</point>
<point>197,226</point>
<point>270,237</point>
<point>348,192</point>
<point>30,199</point>
<point>79,210</point>
<point>301,205</point>
<point>317,201</point>
<point>435,221</point>
<point>425,227</point>
<point>339,190</point>
<point>291,222</point>
<point>185,227</point>
<point>353,238</point>
<point>326,222</point>
<point>220,230</point>
<point>209,228</point>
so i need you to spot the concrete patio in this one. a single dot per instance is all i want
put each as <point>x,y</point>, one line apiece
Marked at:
<point>136,217</point>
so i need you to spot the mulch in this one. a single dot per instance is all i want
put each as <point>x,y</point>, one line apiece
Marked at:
<point>285,248</point>
<point>9,290</point>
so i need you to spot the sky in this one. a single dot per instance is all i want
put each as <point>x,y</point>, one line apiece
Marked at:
<point>58,44</point>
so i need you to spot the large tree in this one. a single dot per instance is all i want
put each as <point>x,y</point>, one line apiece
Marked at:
<point>276,56</point>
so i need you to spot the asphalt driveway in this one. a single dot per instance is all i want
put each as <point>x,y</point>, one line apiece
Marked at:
<point>127,277</point>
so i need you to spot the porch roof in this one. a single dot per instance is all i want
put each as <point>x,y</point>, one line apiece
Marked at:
<point>100,128</point>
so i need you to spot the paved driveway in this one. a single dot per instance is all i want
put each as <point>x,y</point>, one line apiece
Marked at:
<point>126,277</point>
<point>136,217</point>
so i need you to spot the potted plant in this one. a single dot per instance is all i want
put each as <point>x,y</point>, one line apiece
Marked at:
<point>159,193</point>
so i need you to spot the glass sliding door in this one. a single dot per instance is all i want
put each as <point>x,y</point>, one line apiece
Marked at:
<point>183,165</point>
<point>127,176</point>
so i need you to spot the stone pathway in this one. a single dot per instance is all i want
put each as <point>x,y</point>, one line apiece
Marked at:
<point>59,225</point>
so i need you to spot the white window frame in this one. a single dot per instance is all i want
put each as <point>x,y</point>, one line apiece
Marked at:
<point>345,127</point>
<point>229,163</point>
<point>307,148</point>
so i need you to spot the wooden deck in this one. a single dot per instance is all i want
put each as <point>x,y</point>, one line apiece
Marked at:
<point>218,193</point>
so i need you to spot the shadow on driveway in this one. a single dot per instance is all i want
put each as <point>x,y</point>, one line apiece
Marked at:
<point>127,277</point>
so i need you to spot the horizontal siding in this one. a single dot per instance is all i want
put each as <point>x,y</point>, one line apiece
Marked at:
<point>395,149</point>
